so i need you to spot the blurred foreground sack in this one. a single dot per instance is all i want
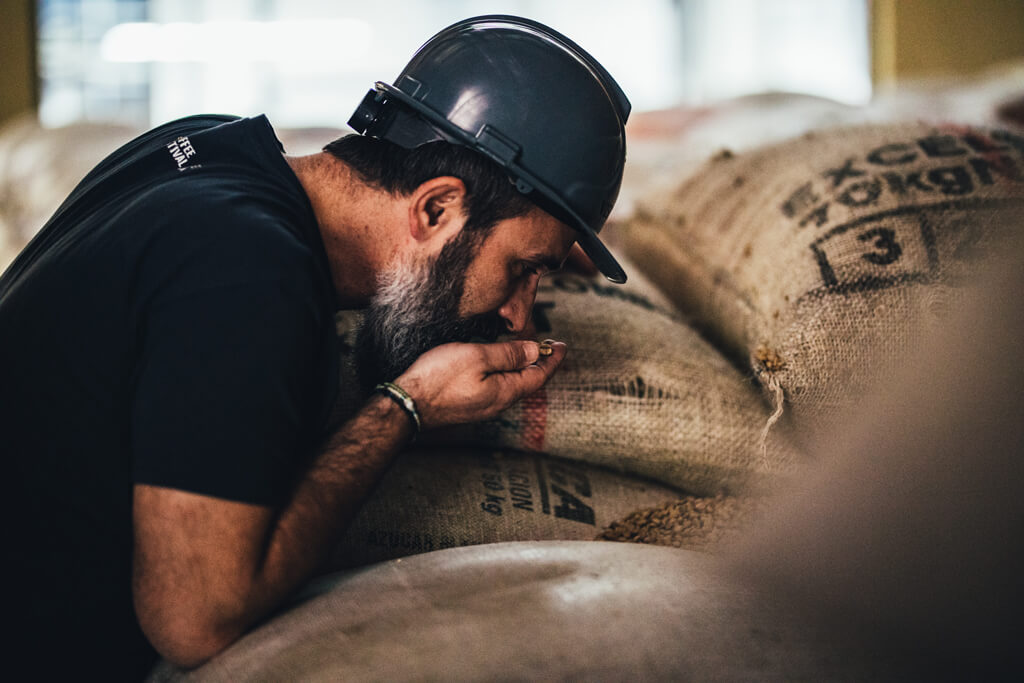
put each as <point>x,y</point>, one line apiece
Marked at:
<point>444,499</point>
<point>906,529</point>
<point>819,261</point>
<point>639,392</point>
<point>546,611</point>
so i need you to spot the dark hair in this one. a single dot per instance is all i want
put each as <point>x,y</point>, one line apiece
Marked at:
<point>491,196</point>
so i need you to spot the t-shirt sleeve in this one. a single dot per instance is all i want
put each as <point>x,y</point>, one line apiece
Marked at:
<point>226,390</point>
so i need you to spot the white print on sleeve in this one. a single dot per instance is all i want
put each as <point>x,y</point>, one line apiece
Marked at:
<point>182,151</point>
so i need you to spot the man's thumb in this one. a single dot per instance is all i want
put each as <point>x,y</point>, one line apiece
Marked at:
<point>512,355</point>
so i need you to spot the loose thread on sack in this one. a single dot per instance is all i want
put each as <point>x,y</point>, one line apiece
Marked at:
<point>778,399</point>
<point>770,362</point>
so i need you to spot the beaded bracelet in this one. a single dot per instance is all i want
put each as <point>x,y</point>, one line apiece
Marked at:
<point>404,401</point>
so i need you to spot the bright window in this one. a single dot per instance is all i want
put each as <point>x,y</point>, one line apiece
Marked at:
<point>308,62</point>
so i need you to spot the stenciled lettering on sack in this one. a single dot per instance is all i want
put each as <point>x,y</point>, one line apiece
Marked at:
<point>519,488</point>
<point>493,485</point>
<point>562,489</point>
<point>402,540</point>
<point>902,245</point>
<point>568,486</point>
<point>182,151</point>
<point>541,322</point>
<point>572,284</point>
<point>493,481</point>
<point>513,485</point>
<point>975,160</point>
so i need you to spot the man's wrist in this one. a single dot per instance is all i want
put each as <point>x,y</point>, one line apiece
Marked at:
<point>404,401</point>
<point>383,409</point>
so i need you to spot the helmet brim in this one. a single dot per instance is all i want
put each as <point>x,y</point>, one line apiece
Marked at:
<point>595,249</point>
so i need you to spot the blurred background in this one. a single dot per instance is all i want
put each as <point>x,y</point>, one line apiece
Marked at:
<point>80,77</point>
<point>307,62</point>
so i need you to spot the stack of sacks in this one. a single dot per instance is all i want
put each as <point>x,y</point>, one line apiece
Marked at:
<point>818,262</point>
<point>642,412</point>
<point>640,392</point>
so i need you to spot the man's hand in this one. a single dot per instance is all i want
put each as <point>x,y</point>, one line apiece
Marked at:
<point>459,383</point>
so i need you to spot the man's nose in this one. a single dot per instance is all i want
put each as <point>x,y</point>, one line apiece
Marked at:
<point>516,311</point>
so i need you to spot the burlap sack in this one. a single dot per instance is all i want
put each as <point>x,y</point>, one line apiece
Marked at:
<point>452,498</point>
<point>639,392</point>
<point>819,260</point>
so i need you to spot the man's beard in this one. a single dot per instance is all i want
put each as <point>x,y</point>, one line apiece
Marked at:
<point>417,308</point>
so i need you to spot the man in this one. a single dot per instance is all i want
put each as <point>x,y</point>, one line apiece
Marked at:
<point>168,345</point>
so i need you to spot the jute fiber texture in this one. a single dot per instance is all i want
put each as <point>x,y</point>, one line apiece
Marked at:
<point>819,261</point>
<point>448,498</point>
<point>640,392</point>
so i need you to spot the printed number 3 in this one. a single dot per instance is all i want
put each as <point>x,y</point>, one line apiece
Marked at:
<point>889,250</point>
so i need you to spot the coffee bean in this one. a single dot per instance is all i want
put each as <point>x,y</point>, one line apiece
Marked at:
<point>691,522</point>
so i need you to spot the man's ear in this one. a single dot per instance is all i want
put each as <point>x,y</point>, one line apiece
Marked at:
<point>436,206</point>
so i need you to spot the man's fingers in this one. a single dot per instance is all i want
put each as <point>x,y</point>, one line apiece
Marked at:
<point>509,356</point>
<point>551,362</point>
<point>531,378</point>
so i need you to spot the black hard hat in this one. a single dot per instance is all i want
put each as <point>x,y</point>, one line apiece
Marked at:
<point>527,97</point>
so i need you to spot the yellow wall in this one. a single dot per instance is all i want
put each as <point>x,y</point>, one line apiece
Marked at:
<point>921,38</point>
<point>19,89</point>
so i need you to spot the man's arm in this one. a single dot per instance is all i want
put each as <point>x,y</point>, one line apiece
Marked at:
<point>206,569</point>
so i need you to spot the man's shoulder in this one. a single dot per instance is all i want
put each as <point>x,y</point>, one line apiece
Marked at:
<point>217,208</point>
<point>228,171</point>
<point>152,144</point>
<point>216,227</point>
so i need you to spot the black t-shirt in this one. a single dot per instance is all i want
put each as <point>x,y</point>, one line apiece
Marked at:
<point>172,325</point>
